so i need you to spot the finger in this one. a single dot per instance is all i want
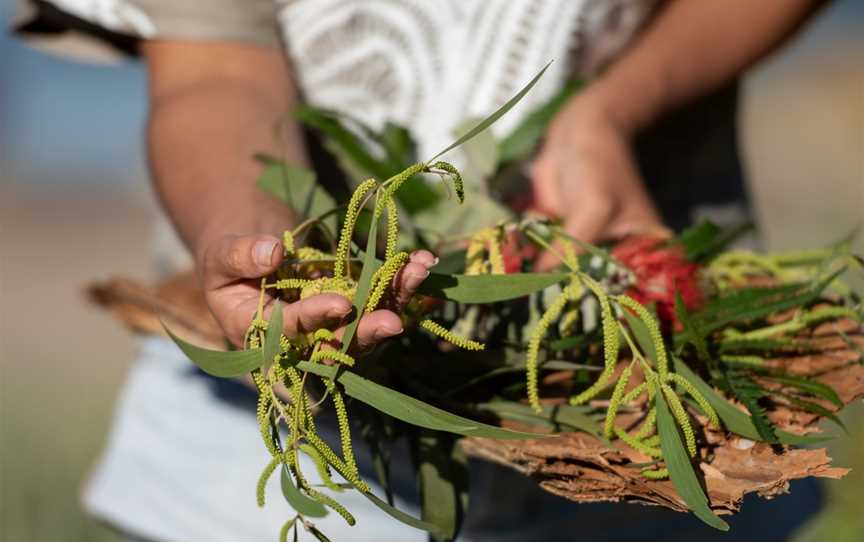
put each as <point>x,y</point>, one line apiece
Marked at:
<point>241,257</point>
<point>407,280</point>
<point>375,327</point>
<point>315,312</point>
<point>544,184</point>
<point>425,258</point>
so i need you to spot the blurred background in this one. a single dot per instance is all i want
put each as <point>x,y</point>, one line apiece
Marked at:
<point>75,206</point>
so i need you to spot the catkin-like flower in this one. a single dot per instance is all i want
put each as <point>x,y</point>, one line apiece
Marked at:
<point>321,466</point>
<point>394,183</point>
<point>334,355</point>
<point>289,284</point>
<point>383,277</point>
<point>311,253</point>
<point>637,444</point>
<point>336,462</point>
<point>323,334</point>
<point>683,419</point>
<point>437,329</point>
<point>615,400</point>
<point>532,357</point>
<point>496,258</point>
<point>697,396</point>
<point>286,527</point>
<point>475,262</point>
<point>653,329</point>
<point>344,426</point>
<point>634,393</point>
<point>392,229</point>
<point>262,414</point>
<point>458,185</point>
<point>610,342</point>
<point>288,242</point>
<point>344,245</point>
<point>658,474</point>
<point>647,426</point>
<point>261,488</point>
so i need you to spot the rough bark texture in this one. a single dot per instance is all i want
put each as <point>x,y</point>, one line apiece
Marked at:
<point>578,466</point>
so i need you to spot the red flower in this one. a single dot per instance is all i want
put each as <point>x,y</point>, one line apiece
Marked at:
<point>659,270</point>
<point>515,250</point>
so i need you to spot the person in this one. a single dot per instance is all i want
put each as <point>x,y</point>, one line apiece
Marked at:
<point>650,141</point>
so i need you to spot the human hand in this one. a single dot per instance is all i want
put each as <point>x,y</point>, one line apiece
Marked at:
<point>231,269</point>
<point>585,174</point>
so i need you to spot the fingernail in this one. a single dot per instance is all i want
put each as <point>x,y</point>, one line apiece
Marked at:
<point>435,261</point>
<point>337,312</point>
<point>385,332</point>
<point>264,252</point>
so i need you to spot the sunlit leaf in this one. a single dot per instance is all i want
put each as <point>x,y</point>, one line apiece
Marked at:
<point>681,470</point>
<point>298,501</point>
<point>271,346</point>
<point>409,409</point>
<point>218,363</point>
<point>491,119</point>
<point>487,288</point>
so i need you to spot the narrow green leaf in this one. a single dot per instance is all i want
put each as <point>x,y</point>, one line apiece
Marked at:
<point>271,346</point>
<point>817,409</point>
<point>807,385</point>
<point>567,415</point>
<point>297,500</point>
<point>641,335</point>
<point>491,119</point>
<point>404,517</point>
<point>681,470</point>
<point>481,153</point>
<point>314,531</point>
<point>218,363</point>
<point>487,288</point>
<point>736,421</point>
<point>364,284</point>
<point>409,409</point>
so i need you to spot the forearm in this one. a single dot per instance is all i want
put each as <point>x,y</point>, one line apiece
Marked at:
<point>203,131</point>
<point>692,47</point>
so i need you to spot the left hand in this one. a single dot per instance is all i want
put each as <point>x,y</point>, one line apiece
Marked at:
<point>586,175</point>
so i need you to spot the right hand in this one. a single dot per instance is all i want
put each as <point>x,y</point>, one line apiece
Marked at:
<point>231,269</point>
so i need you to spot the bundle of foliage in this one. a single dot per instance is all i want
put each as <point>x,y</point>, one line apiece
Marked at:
<point>672,332</point>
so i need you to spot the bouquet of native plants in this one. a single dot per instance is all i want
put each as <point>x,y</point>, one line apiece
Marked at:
<point>635,371</point>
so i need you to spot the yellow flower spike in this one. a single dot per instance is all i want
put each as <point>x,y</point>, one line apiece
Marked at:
<point>610,342</point>
<point>437,329</point>
<point>615,400</point>
<point>697,396</point>
<point>261,488</point>
<point>321,466</point>
<point>344,426</point>
<point>475,262</point>
<point>496,259</point>
<point>458,185</point>
<point>659,474</point>
<point>334,355</point>
<point>344,245</point>
<point>681,415</point>
<point>532,357</point>
<point>290,284</point>
<point>323,335</point>
<point>392,229</point>
<point>383,277</point>
<point>262,415</point>
<point>653,328</point>
<point>335,461</point>
<point>631,395</point>
<point>394,183</point>
<point>288,242</point>
<point>647,427</point>
<point>311,253</point>
<point>637,444</point>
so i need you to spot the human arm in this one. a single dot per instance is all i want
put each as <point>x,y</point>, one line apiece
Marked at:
<point>212,105</point>
<point>585,172</point>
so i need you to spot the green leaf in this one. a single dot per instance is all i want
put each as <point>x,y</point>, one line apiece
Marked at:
<point>525,138</point>
<point>817,409</point>
<point>641,335</point>
<point>491,119</point>
<point>736,421</point>
<point>364,284</point>
<point>442,474</point>
<point>403,517</point>
<point>567,415</point>
<point>409,409</point>
<point>314,531</point>
<point>807,385</point>
<point>697,239</point>
<point>218,363</point>
<point>298,501</point>
<point>681,470</point>
<point>487,288</point>
<point>271,347</point>
<point>481,153</point>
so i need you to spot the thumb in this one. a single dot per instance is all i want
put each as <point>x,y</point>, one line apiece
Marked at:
<point>241,257</point>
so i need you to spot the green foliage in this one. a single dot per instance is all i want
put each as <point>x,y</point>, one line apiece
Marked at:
<point>476,289</point>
